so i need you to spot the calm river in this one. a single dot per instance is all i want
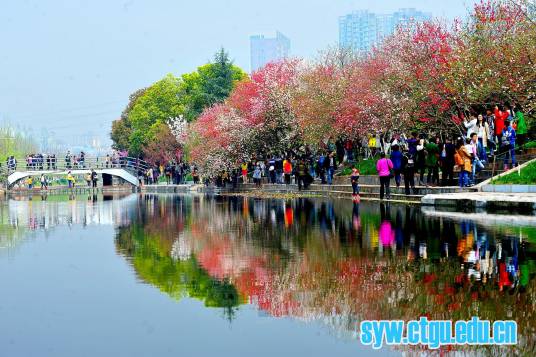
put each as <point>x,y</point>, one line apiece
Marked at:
<point>231,276</point>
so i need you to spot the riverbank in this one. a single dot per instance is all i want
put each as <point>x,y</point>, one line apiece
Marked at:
<point>368,192</point>
<point>441,197</point>
<point>521,202</point>
<point>62,190</point>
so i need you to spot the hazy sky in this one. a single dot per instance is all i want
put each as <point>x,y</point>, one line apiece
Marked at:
<point>70,65</point>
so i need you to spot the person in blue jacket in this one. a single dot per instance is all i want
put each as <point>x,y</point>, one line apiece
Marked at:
<point>508,143</point>
<point>396,158</point>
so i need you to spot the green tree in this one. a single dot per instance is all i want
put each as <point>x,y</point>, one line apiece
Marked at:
<point>159,103</point>
<point>209,84</point>
<point>122,128</point>
<point>151,108</point>
<point>15,142</point>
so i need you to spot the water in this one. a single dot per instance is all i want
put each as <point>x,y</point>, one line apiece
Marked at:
<point>192,275</point>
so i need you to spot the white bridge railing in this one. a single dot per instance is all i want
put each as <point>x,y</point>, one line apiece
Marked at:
<point>16,169</point>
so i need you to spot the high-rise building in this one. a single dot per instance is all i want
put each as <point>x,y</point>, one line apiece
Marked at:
<point>361,30</point>
<point>265,50</point>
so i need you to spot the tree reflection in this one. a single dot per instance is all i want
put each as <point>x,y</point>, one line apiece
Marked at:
<point>336,261</point>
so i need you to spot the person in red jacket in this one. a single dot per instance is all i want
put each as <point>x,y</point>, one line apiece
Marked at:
<point>500,117</point>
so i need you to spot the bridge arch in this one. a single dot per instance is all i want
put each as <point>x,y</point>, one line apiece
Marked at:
<point>125,168</point>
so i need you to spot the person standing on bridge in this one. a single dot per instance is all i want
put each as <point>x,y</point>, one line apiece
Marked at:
<point>82,159</point>
<point>68,160</point>
<point>88,179</point>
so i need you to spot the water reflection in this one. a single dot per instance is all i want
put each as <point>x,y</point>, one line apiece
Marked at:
<point>46,212</point>
<point>338,262</point>
<point>333,261</point>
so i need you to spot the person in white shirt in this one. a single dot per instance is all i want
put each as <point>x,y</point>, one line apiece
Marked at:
<point>472,148</point>
<point>483,134</point>
<point>470,125</point>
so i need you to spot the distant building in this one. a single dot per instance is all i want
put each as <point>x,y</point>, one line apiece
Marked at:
<point>361,30</point>
<point>265,50</point>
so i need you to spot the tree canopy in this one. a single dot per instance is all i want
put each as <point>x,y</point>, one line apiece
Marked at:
<point>172,97</point>
<point>209,84</point>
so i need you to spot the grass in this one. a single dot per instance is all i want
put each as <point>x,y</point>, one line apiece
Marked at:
<point>365,167</point>
<point>527,176</point>
<point>530,145</point>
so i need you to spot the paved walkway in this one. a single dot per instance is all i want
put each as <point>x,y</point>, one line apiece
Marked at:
<point>483,217</point>
<point>495,200</point>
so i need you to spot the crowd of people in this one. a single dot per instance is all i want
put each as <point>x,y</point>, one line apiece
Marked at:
<point>69,161</point>
<point>418,159</point>
<point>174,172</point>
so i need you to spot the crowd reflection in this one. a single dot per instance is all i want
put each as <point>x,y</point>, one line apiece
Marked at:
<point>335,261</point>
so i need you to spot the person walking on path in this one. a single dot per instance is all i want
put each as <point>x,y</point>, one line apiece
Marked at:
<point>384,167</point>
<point>432,156</point>
<point>44,182</point>
<point>412,144</point>
<point>94,178</point>
<point>477,163</point>
<point>483,135</point>
<point>195,175</point>
<point>470,125</point>
<point>492,139</point>
<point>287,170</point>
<point>500,117</point>
<point>257,175</point>
<point>302,172</point>
<point>271,170</point>
<point>463,161</point>
<point>396,158</point>
<point>150,176</point>
<point>320,168</point>
<point>70,179</point>
<point>508,143</point>
<point>354,180</point>
<point>521,126</point>
<point>167,171</point>
<point>244,168</point>
<point>29,182</point>
<point>408,167</point>
<point>331,165</point>
<point>421,160</point>
<point>446,157</point>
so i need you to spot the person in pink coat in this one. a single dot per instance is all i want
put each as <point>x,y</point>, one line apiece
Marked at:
<point>384,167</point>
